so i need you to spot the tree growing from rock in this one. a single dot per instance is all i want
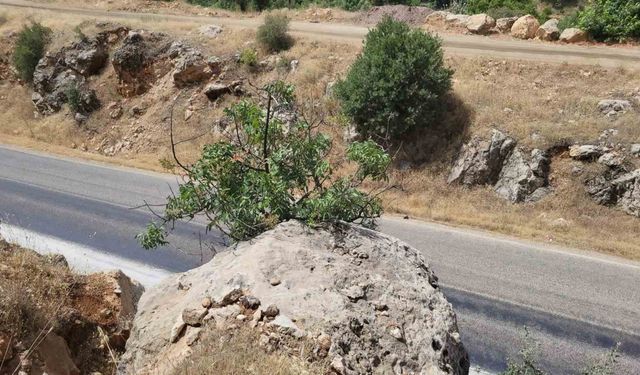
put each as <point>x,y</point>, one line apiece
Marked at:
<point>272,168</point>
<point>29,49</point>
<point>396,84</point>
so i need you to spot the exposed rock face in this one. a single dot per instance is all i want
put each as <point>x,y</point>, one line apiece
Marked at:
<point>480,24</point>
<point>574,35</point>
<point>215,90</point>
<point>524,180</point>
<point>369,302</point>
<point>525,27</point>
<point>480,161</point>
<point>622,191</point>
<point>549,30</point>
<point>67,69</point>
<point>190,65</point>
<point>504,25</point>
<point>498,162</point>
<point>134,61</point>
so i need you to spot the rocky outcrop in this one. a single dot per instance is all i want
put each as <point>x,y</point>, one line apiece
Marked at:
<point>524,179</point>
<point>67,69</point>
<point>215,90</point>
<point>549,30</point>
<point>480,24</point>
<point>619,190</point>
<point>190,65</point>
<point>136,62</point>
<point>613,107</point>
<point>525,27</point>
<point>573,35</point>
<point>499,163</point>
<point>585,152</point>
<point>480,161</point>
<point>365,301</point>
<point>210,31</point>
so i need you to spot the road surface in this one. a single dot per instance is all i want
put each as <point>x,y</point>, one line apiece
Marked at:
<point>577,304</point>
<point>467,45</point>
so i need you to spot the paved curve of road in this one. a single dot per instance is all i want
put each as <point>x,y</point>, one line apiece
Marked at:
<point>576,303</point>
<point>466,45</point>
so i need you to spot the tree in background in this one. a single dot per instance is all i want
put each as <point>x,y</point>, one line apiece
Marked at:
<point>273,34</point>
<point>29,49</point>
<point>611,20</point>
<point>272,168</point>
<point>396,84</point>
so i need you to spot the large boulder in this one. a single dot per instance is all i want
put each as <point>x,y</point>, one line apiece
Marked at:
<point>480,161</point>
<point>620,190</point>
<point>525,27</point>
<point>574,35</point>
<point>368,300</point>
<point>480,24</point>
<point>524,179</point>
<point>549,30</point>
<point>585,152</point>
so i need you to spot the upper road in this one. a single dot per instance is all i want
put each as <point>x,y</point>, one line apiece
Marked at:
<point>467,45</point>
<point>578,304</point>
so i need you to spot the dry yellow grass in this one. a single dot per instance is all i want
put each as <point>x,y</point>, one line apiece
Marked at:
<point>236,352</point>
<point>539,104</point>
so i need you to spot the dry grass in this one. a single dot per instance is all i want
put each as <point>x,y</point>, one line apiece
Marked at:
<point>237,353</point>
<point>539,104</point>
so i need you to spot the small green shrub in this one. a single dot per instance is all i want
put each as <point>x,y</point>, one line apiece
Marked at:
<point>273,34</point>
<point>502,8</point>
<point>29,49</point>
<point>568,21</point>
<point>611,20</point>
<point>74,98</point>
<point>268,172</point>
<point>396,83</point>
<point>249,57</point>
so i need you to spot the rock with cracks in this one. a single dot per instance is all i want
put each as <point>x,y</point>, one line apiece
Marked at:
<point>617,190</point>
<point>369,299</point>
<point>549,30</point>
<point>480,24</point>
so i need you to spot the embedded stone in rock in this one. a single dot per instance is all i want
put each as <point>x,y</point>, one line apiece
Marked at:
<point>620,190</point>
<point>249,302</point>
<point>271,311</point>
<point>191,68</point>
<point>635,149</point>
<point>611,159</point>
<point>193,316</point>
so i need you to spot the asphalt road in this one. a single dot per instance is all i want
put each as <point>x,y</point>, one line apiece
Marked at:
<point>577,304</point>
<point>466,45</point>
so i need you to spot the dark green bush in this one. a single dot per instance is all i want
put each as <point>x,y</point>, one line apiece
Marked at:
<point>74,98</point>
<point>611,20</point>
<point>502,8</point>
<point>273,34</point>
<point>29,49</point>
<point>396,83</point>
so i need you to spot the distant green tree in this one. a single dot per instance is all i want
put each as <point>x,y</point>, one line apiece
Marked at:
<point>270,171</point>
<point>611,20</point>
<point>502,8</point>
<point>396,84</point>
<point>273,34</point>
<point>29,49</point>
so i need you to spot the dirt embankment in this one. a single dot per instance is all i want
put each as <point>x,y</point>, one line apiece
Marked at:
<point>55,321</point>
